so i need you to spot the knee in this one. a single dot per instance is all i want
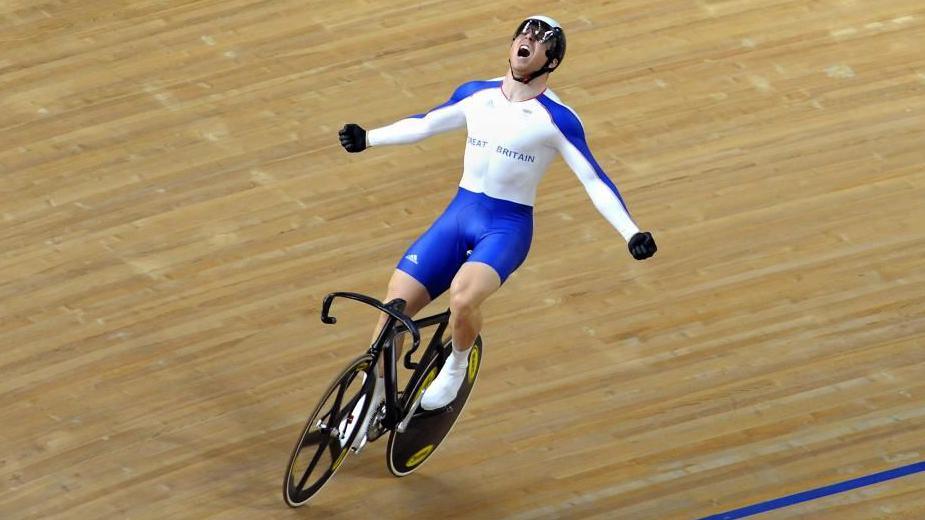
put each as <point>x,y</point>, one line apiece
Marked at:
<point>462,305</point>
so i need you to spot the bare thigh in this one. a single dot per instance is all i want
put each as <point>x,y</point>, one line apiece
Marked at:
<point>404,286</point>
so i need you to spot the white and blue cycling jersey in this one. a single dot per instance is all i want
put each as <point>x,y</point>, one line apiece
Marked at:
<point>509,147</point>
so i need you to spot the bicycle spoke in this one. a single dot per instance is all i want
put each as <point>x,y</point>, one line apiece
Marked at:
<point>314,437</point>
<point>311,466</point>
<point>337,400</point>
<point>333,448</point>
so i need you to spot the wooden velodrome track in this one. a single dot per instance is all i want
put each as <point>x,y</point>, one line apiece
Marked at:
<point>175,205</point>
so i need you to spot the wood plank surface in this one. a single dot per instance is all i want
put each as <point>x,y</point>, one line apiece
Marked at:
<point>174,204</point>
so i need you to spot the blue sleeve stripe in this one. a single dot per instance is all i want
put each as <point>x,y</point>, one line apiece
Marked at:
<point>571,128</point>
<point>465,90</point>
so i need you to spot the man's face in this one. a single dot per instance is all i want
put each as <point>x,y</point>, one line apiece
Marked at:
<point>527,54</point>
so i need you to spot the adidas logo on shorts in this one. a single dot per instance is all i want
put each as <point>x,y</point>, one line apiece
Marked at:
<point>412,258</point>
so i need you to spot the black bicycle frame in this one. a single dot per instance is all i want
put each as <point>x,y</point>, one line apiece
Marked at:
<point>396,323</point>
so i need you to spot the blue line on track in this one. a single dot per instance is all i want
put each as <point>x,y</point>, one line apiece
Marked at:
<point>824,491</point>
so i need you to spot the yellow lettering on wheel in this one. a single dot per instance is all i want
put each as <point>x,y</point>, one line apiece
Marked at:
<point>427,381</point>
<point>473,364</point>
<point>419,457</point>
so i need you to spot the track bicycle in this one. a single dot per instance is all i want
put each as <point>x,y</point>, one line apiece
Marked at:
<point>330,432</point>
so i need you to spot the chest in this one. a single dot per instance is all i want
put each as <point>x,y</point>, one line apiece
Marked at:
<point>520,124</point>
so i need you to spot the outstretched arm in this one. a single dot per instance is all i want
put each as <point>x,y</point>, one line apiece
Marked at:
<point>572,145</point>
<point>446,117</point>
<point>600,188</point>
<point>443,118</point>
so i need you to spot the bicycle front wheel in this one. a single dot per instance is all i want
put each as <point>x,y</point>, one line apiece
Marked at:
<point>327,435</point>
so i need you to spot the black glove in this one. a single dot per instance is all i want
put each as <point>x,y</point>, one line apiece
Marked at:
<point>352,138</point>
<point>642,246</point>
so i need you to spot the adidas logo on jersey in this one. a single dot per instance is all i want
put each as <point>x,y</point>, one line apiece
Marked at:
<point>412,258</point>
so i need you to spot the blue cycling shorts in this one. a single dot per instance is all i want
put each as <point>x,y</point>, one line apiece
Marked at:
<point>473,228</point>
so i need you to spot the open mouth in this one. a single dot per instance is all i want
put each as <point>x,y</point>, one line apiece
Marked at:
<point>523,51</point>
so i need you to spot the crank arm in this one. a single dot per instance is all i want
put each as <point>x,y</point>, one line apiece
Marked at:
<point>403,425</point>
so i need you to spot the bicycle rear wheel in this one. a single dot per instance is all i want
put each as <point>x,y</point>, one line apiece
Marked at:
<point>327,435</point>
<point>408,450</point>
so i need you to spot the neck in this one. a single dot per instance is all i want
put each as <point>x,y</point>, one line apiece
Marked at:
<point>517,91</point>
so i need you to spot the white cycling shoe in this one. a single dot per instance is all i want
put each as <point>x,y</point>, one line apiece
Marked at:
<point>446,385</point>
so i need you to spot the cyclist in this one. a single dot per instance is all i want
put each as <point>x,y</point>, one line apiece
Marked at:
<point>516,127</point>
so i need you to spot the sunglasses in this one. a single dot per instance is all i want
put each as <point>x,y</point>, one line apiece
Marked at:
<point>539,30</point>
